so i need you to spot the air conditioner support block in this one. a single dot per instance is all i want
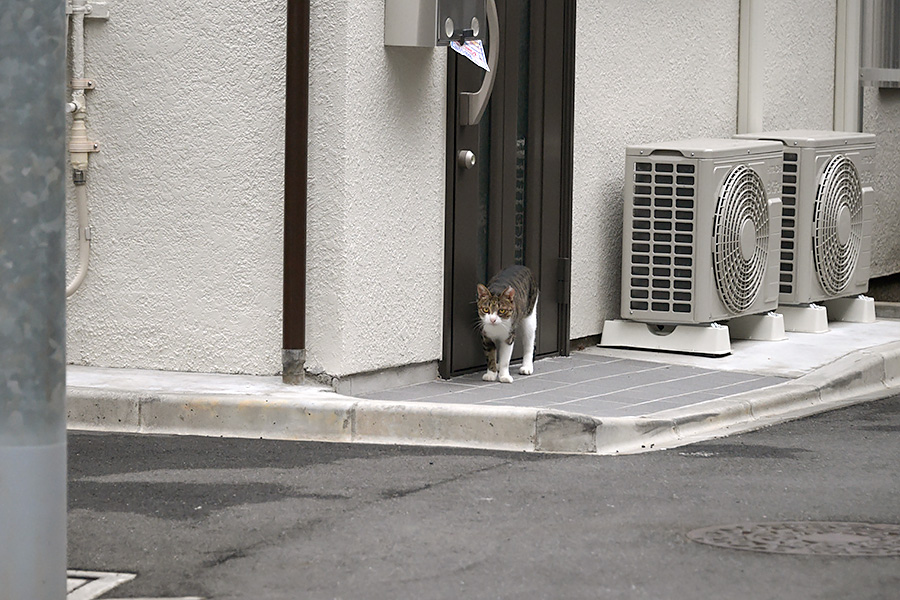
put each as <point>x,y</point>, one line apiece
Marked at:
<point>709,339</point>
<point>856,309</point>
<point>805,318</point>
<point>768,327</point>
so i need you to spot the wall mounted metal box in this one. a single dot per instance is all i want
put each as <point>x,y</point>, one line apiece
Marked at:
<point>430,23</point>
<point>828,205</point>
<point>701,230</point>
<point>880,55</point>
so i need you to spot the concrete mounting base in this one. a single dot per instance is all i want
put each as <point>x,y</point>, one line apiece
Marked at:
<point>293,363</point>
<point>709,339</point>
<point>768,327</point>
<point>805,318</point>
<point>856,309</point>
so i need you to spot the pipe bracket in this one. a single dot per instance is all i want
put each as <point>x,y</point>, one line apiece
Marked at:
<point>91,10</point>
<point>83,84</point>
<point>83,146</point>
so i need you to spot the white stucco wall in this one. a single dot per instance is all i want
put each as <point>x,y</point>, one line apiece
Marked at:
<point>376,194</point>
<point>644,72</point>
<point>881,116</point>
<point>186,195</point>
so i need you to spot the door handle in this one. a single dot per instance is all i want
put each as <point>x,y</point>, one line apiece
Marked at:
<point>473,104</point>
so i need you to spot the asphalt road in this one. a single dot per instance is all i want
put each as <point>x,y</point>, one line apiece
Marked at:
<point>268,520</point>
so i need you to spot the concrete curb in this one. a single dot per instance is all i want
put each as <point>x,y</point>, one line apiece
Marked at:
<point>322,415</point>
<point>869,374</point>
<point>326,417</point>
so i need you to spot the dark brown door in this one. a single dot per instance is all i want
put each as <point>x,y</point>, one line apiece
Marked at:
<point>514,205</point>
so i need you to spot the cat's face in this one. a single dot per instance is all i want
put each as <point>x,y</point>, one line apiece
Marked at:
<point>494,310</point>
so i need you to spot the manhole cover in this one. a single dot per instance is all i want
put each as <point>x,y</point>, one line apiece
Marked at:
<point>826,538</point>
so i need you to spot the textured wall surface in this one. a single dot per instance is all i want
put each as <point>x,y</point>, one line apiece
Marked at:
<point>645,72</point>
<point>376,194</point>
<point>186,195</point>
<point>881,116</point>
<point>798,82</point>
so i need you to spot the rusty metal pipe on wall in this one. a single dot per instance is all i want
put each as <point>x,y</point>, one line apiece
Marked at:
<point>293,354</point>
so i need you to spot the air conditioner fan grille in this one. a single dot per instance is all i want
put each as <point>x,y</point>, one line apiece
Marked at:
<point>837,236</point>
<point>740,239</point>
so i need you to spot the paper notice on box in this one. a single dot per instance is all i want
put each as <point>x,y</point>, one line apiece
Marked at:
<point>473,50</point>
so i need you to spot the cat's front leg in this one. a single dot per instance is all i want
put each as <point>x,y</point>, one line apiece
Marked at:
<point>490,355</point>
<point>504,354</point>
<point>528,329</point>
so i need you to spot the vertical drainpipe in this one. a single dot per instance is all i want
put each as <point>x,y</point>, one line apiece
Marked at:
<point>751,59</point>
<point>847,91</point>
<point>296,136</point>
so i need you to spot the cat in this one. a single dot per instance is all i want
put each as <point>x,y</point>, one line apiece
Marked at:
<point>507,305</point>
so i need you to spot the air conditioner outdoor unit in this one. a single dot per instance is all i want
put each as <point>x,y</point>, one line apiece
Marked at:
<point>700,242</point>
<point>828,207</point>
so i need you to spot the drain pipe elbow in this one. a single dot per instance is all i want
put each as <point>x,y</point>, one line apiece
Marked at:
<point>84,233</point>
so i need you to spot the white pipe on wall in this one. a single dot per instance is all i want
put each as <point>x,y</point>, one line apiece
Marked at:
<point>78,9</point>
<point>77,141</point>
<point>751,60</point>
<point>847,91</point>
<point>84,239</point>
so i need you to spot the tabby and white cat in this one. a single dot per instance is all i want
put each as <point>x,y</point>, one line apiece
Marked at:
<point>507,305</point>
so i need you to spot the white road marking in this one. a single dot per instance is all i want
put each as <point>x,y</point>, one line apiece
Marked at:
<point>89,585</point>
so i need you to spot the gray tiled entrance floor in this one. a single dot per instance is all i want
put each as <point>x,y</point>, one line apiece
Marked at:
<point>585,383</point>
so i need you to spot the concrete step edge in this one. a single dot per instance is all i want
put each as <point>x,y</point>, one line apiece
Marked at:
<point>863,375</point>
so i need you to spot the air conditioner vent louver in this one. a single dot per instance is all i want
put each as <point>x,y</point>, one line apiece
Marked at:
<point>787,264</point>
<point>663,216</point>
<point>838,225</point>
<point>741,238</point>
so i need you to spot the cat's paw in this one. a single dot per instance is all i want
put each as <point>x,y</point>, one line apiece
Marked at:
<point>526,369</point>
<point>489,376</point>
<point>506,378</point>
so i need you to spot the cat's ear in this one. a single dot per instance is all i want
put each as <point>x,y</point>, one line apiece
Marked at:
<point>483,292</point>
<point>509,293</point>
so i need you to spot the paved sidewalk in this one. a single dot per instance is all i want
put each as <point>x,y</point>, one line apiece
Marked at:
<point>591,384</point>
<point>599,400</point>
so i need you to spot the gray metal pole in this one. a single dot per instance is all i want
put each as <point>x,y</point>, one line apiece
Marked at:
<point>32,301</point>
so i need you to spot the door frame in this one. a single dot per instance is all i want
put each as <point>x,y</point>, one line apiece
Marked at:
<point>554,116</point>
